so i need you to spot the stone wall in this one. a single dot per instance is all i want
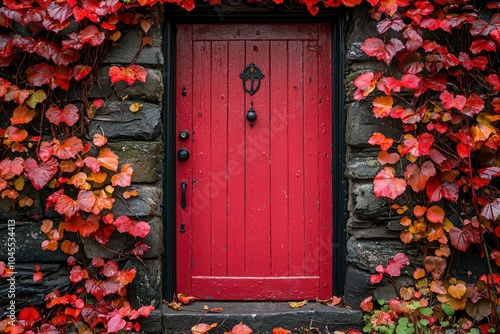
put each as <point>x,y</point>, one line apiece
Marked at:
<point>373,231</point>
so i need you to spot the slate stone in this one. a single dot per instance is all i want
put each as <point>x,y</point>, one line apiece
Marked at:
<point>116,121</point>
<point>147,203</point>
<point>361,124</point>
<point>358,286</point>
<point>362,27</point>
<point>30,293</point>
<point>10,209</point>
<point>262,317</point>
<point>367,254</point>
<point>130,43</point>
<point>153,323</point>
<point>124,242</point>
<point>364,205</point>
<point>146,288</point>
<point>28,240</point>
<point>362,165</point>
<point>373,232</point>
<point>143,157</point>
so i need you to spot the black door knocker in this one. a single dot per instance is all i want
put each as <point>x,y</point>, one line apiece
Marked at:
<point>251,77</point>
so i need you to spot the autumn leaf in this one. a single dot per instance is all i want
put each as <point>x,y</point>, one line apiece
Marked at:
<point>435,265</point>
<point>279,330</point>
<point>367,304</point>
<point>386,184</point>
<point>437,189</point>
<point>417,146</point>
<point>22,115</point>
<point>435,214</point>
<point>69,247</point>
<point>107,159</point>
<point>297,304</point>
<point>135,107</point>
<point>241,329</point>
<point>365,83</point>
<point>128,74</point>
<point>28,316</point>
<point>491,210</point>
<point>461,239</point>
<point>375,47</point>
<point>40,174</point>
<point>185,299</point>
<point>202,328</point>
<point>99,140</point>
<point>417,176</point>
<point>382,106</point>
<point>122,179</point>
<point>68,115</point>
<point>69,149</point>
<point>175,305</point>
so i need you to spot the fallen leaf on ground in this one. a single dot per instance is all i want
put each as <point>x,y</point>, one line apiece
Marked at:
<point>241,329</point>
<point>202,328</point>
<point>297,304</point>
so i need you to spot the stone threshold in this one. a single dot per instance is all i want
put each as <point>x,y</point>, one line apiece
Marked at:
<point>261,317</point>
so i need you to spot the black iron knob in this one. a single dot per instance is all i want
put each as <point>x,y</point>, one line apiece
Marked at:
<point>251,116</point>
<point>184,135</point>
<point>183,154</point>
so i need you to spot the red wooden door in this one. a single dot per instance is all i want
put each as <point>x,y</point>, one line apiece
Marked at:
<point>257,219</point>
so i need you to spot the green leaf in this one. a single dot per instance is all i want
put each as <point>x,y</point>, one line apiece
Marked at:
<point>492,330</point>
<point>425,311</point>
<point>424,322</point>
<point>448,309</point>
<point>445,323</point>
<point>381,302</point>
<point>36,97</point>
<point>474,331</point>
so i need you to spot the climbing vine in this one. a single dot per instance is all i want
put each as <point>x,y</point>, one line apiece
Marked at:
<point>438,77</point>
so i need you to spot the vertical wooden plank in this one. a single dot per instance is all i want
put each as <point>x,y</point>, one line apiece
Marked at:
<point>184,121</point>
<point>218,162</point>
<point>201,158</point>
<point>236,161</point>
<point>257,169</point>
<point>311,158</point>
<point>325,159</point>
<point>279,157</point>
<point>296,159</point>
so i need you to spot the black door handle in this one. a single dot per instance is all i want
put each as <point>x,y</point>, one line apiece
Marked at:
<point>183,194</point>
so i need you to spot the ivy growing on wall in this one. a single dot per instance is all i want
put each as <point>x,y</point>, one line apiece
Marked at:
<point>438,77</point>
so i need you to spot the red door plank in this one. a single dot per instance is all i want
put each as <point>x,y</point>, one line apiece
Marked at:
<point>311,157</point>
<point>257,169</point>
<point>296,158</point>
<point>325,139</point>
<point>279,158</point>
<point>201,157</point>
<point>218,155</point>
<point>184,169</point>
<point>236,162</point>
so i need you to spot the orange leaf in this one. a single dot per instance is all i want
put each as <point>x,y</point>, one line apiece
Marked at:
<point>202,328</point>
<point>128,194</point>
<point>123,179</point>
<point>241,329</point>
<point>46,226</point>
<point>99,140</point>
<point>279,330</point>
<point>435,214</point>
<point>367,304</point>
<point>419,211</point>
<point>382,106</point>
<point>387,158</point>
<point>108,159</point>
<point>185,299</point>
<point>25,201</point>
<point>406,237</point>
<point>419,273</point>
<point>297,304</point>
<point>69,247</point>
<point>457,291</point>
<point>435,265</point>
<point>99,177</point>
<point>444,250</point>
<point>22,115</point>
<point>69,149</point>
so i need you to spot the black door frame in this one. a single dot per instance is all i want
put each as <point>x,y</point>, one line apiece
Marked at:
<point>249,14</point>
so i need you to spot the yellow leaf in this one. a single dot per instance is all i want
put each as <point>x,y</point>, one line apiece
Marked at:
<point>19,184</point>
<point>205,307</point>
<point>109,189</point>
<point>297,304</point>
<point>135,107</point>
<point>176,306</point>
<point>37,97</point>
<point>115,35</point>
<point>457,291</point>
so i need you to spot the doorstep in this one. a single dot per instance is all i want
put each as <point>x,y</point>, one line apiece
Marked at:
<point>261,317</point>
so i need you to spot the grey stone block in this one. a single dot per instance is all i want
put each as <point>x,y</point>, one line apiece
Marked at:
<point>148,203</point>
<point>146,288</point>
<point>362,27</point>
<point>116,121</point>
<point>364,205</point>
<point>362,165</point>
<point>143,157</point>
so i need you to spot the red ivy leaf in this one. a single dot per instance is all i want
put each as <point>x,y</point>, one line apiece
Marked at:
<point>462,239</point>
<point>437,189</point>
<point>40,174</point>
<point>450,101</point>
<point>91,35</point>
<point>28,316</point>
<point>491,210</point>
<point>122,179</point>
<point>479,45</point>
<point>365,83</point>
<point>385,184</point>
<point>16,94</point>
<point>22,115</point>
<point>110,268</point>
<point>417,176</point>
<point>128,74</point>
<point>40,74</point>
<point>68,115</point>
<point>69,149</point>
<point>379,139</point>
<point>9,168</point>
<point>417,146</point>
<point>375,47</point>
